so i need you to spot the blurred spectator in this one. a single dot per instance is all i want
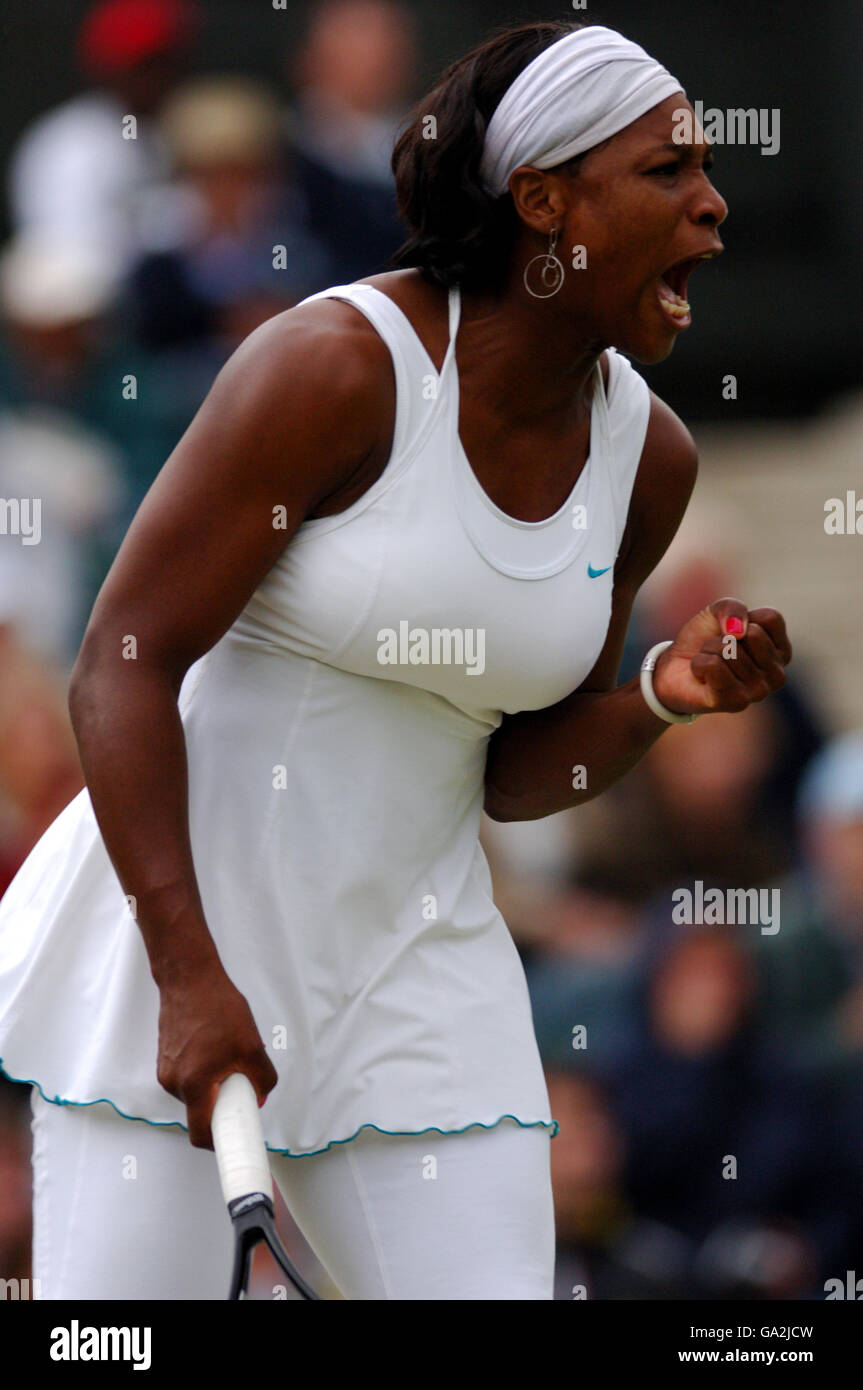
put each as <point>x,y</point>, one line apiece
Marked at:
<point>727,1141</point>
<point>812,970</point>
<point>83,173</point>
<point>603,1249</point>
<point>352,76</point>
<point>711,800</point>
<point>693,808</point>
<point>705,563</point>
<point>39,767</point>
<point>240,252</point>
<point>56,465</point>
<point>583,1002</point>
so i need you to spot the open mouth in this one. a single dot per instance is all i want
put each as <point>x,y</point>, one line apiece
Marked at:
<point>671,288</point>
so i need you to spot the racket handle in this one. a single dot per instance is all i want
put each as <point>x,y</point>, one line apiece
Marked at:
<point>239,1140</point>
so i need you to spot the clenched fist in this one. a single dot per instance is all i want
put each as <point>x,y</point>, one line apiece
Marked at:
<point>724,659</point>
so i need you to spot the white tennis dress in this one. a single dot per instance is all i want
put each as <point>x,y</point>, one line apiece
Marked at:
<point>337,738</point>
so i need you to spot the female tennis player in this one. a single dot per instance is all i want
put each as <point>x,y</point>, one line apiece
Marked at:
<point>383,581</point>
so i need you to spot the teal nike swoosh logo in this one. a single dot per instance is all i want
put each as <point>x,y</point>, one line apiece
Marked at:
<point>594,574</point>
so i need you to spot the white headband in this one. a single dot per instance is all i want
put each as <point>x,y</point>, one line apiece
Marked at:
<point>577,93</point>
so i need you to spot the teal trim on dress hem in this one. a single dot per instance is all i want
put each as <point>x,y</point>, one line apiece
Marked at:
<point>396,1133</point>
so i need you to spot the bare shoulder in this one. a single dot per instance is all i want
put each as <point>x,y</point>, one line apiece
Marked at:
<point>295,426</point>
<point>668,443</point>
<point>328,341</point>
<point>666,476</point>
<point>310,396</point>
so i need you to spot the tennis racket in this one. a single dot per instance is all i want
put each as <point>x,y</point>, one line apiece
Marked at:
<point>247,1183</point>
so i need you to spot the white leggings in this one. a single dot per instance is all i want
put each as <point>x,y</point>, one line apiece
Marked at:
<point>127,1210</point>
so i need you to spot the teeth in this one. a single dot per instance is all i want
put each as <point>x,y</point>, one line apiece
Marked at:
<point>673,301</point>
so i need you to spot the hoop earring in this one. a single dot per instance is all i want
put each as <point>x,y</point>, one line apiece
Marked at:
<point>552,273</point>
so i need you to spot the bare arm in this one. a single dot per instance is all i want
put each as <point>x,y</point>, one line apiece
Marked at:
<point>607,728</point>
<point>292,419</point>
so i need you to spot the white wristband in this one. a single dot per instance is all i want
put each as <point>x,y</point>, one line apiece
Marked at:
<point>647,669</point>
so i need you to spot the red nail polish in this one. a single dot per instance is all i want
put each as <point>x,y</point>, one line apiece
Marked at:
<point>734,626</point>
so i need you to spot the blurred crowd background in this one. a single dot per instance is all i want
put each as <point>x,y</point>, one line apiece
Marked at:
<point>708,1080</point>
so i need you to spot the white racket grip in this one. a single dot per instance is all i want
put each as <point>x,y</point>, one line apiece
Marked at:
<point>239,1140</point>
